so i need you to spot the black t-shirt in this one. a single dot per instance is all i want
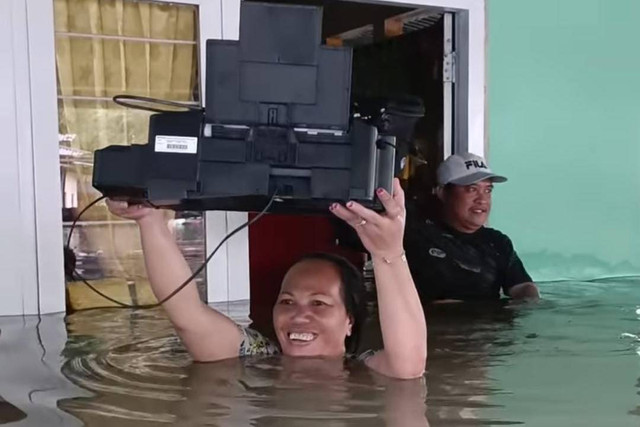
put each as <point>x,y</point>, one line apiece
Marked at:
<point>448,264</point>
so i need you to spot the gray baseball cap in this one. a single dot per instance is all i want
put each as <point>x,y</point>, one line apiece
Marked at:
<point>465,169</point>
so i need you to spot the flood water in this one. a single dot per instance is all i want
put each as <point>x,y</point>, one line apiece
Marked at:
<point>572,359</point>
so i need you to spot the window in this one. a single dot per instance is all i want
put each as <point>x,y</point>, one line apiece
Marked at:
<point>105,48</point>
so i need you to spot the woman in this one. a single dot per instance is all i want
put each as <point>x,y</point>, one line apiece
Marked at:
<point>312,316</point>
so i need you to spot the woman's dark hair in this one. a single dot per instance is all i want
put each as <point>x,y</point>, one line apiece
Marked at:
<point>352,290</point>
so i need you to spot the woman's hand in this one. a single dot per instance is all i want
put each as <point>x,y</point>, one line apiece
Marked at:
<point>381,234</point>
<point>402,321</point>
<point>138,213</point>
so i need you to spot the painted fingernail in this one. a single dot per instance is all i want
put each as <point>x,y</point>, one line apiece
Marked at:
<point>350,204</point>
<point>333,206</point>
<point>380,191</point>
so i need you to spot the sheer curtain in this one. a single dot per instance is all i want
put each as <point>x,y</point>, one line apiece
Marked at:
<point>105,48</point>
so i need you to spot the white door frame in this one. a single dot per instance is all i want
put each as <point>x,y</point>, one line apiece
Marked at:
<point>470,36</point>
<point>31,224</point>
<point>469,96</point>
<point>228,270</point>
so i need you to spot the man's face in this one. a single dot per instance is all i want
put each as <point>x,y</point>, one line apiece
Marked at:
<point>467,207</point>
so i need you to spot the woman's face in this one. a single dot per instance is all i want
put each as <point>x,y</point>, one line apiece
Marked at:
<point>310,318</point>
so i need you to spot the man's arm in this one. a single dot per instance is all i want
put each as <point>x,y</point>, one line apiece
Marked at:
<point>518,284</point>
<point>524,291</point>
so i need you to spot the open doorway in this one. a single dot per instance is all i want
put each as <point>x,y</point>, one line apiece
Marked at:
<point>397,51</point>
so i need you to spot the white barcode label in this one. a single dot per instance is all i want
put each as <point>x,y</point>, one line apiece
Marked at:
<point>176,144</point>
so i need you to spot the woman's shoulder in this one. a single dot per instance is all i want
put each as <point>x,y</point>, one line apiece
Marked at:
<point>255,344</point>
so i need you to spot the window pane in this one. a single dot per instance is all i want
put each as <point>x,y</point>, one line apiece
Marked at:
<point>91,69</point>
<point>126,18</point>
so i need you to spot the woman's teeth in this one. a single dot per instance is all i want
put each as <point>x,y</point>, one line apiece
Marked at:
<point>301,336</point>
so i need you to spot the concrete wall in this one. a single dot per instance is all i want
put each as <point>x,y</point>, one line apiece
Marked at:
<point>32,277</point>
<point>564,125</point>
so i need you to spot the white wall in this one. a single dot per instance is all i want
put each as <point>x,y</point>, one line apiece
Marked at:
<point>15,242</point>
<point>30,222</point>
<point>228,271</point>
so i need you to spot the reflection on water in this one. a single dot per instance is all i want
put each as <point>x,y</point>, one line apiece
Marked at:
<point>141,375</point>
<point>263,392</point>
<point>9,412</point>
<point>572,357</point>
<point>30,379</point>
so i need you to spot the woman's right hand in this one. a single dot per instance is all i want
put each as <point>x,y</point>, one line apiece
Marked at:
<point>138,213</point>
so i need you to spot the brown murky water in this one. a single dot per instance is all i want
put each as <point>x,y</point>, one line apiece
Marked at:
<point>571,359</point>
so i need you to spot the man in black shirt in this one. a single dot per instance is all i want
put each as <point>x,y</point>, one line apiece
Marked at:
<point>454,256</point>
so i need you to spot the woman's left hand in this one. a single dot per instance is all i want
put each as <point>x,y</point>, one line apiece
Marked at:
<point>381,234</point>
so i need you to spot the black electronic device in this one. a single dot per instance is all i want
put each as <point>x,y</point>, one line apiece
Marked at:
<point>278,120</point>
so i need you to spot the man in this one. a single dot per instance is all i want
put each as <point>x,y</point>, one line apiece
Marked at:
<point>454,256</point>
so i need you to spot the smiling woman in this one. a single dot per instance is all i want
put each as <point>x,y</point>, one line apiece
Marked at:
<point>320,305</point>
<point>319,311</point>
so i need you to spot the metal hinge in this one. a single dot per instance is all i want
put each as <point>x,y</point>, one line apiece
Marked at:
<point>449,67</point>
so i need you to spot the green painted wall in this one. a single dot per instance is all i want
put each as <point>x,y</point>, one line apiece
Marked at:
<point>564,126</point>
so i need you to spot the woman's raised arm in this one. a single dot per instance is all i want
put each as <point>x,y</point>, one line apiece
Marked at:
<point>402,320</point>
<point>207,334</point>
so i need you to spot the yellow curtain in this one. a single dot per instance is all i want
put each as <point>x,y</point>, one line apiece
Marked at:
<point>97,68</point>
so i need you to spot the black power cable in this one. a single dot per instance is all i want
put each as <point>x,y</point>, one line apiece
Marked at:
<point>132,101</point>
<point>120,304</point>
